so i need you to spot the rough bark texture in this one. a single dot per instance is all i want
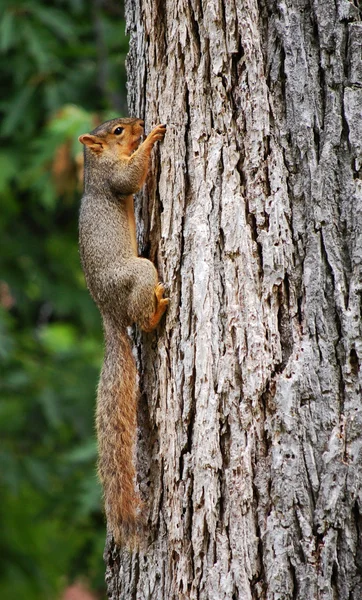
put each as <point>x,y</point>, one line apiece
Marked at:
<point>250,416</point>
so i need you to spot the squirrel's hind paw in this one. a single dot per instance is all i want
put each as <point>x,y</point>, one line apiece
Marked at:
<point>161,306</point>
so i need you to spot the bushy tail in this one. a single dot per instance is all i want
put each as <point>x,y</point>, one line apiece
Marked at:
<point>116,428</point>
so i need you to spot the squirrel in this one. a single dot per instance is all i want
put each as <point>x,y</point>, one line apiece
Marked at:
<point>126,290</point>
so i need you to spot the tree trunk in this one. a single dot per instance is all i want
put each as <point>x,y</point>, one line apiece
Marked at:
<point>250,414</point>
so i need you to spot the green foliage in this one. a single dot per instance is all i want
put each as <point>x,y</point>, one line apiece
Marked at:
<point>62,63</point>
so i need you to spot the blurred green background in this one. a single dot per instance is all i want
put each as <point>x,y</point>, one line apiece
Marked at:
<point>62,72</point>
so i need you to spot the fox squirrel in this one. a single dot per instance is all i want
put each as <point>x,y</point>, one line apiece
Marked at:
<point>126,291</point>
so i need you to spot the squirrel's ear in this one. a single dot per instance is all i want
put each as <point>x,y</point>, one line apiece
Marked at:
<point>92,141</point>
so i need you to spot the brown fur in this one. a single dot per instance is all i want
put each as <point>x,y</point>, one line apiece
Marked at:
<point>126,290</point>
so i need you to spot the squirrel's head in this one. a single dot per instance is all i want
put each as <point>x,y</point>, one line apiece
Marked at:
<point>118,136</point>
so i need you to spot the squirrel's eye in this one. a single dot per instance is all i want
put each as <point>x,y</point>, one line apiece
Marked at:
<point>118,131</point>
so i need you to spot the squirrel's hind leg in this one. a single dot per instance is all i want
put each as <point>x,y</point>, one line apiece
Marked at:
<point>146,302</point>
<point>161,306</point>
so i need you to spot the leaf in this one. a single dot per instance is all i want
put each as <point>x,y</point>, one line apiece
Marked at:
<point>7,31</point>
<point>84,453</point>
<point>49,402</point>
<point>35,46</point>
<point>18,108</point>
<point>8,169</point>
<point>37,472</point>
<point>58,337</point>
<point>57,21</point>
<point>90,496</point>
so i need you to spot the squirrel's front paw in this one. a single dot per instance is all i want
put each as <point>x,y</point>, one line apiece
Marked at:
<point>158,133</point>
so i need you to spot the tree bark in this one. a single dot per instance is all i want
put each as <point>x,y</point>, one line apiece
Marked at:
<point>250,414</point>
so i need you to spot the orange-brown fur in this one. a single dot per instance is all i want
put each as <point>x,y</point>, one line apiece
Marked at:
<point>126,290</point>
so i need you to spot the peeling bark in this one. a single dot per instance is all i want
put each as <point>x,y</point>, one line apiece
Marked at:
<point>250,414</point>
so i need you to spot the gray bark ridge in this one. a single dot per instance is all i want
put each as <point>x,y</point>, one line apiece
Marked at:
<point>250,413</point>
